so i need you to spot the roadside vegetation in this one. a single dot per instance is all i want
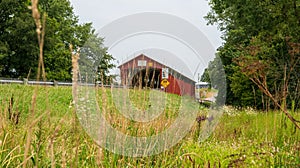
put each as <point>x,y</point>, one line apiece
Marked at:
<point>243,138</point>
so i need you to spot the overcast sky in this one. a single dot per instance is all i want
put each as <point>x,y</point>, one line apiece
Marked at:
<point>103,12</point>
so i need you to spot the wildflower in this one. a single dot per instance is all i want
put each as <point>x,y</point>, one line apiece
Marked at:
<point>203,118</point>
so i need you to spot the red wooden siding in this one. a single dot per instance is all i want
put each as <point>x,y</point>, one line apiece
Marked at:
<point>179,84</point>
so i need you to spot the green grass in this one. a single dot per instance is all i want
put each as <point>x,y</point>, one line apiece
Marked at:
<point>241,139</point>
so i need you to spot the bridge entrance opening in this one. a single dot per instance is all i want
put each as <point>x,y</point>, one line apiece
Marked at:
<point>147,78</point>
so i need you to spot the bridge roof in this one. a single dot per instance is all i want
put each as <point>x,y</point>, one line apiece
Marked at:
<point>165,58</point>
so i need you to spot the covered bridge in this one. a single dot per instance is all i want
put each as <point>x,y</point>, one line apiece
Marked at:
<point>145,72</point>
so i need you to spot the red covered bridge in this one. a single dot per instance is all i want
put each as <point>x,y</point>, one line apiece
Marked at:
<point>144,72</point>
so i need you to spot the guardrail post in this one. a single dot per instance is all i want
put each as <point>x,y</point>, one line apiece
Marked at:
<point>25,81</point>
<point>55,83</point>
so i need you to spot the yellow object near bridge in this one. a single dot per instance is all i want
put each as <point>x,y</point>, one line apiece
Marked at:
<point>164,83</point>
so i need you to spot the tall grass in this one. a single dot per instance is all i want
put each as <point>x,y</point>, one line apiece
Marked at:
<point>242,138</point>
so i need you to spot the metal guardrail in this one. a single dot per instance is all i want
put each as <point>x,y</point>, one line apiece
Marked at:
<point>32,82</point>
<point>64,84</point>
<point>11,81</point>
<point>52,83</point>
<point>40,83</point>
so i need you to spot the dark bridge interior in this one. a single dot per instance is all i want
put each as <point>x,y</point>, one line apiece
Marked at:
<point>147,78</point>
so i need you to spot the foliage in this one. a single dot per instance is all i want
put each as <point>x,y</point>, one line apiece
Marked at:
<point>62,29</point>
<point>260,36</point>
<point>19,46</point>
<point>95,58</point>
<point>215,76</point>
<point>205,76</point>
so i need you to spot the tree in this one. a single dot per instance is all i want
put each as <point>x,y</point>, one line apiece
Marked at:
<point>62,29</point>
<point>215,76</point>
<point>19,46</point>
<point>262,45</point>
<point>247,23</point>
<point>95,60</point>
<point>205,76</point>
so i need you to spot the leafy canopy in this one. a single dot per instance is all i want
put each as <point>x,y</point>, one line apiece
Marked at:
<point>18,41</point>
<point>261,42</point>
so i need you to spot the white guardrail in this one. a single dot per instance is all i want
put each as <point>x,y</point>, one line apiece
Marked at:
<point>32,82</point>
<point>50,83</point>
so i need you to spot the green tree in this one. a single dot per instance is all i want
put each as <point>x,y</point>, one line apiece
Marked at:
<point>205,76</point>
<point>95,60</point>
<point>19,46</point>
<point>214,74</point>
<point>258,33</point>
<point>62,29</point>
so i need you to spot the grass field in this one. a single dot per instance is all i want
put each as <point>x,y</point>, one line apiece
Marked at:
<point>39,128</point>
